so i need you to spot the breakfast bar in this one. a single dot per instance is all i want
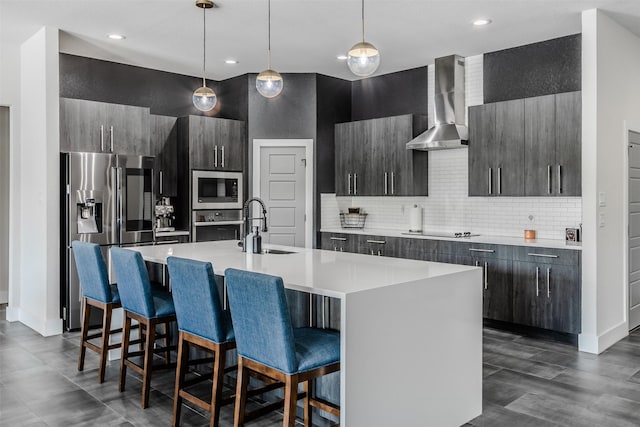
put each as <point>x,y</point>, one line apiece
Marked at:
<point>411,331</point>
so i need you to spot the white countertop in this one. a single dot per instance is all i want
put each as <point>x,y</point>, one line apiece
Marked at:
<point>329,273</point>
<point>497,240</point>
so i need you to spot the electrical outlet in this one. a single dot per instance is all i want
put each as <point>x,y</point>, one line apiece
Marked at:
<point>602,199</point>
<point>601,220</point>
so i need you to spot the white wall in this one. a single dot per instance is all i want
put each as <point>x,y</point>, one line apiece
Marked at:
<point>4,204</point>
<point>10,96</point>
<point>610,98</point>
<point>36,197</point>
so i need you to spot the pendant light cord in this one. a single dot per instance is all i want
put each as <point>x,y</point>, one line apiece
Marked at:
<point>269,36</point>
<point>362,21</point>
<point>204,45</point>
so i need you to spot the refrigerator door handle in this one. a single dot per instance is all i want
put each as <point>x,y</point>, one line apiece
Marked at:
<point>118,194</point>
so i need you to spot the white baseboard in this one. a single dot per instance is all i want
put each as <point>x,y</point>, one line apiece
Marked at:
<point>45,327</point>
<point>4,297</point>
<point>596,344</point>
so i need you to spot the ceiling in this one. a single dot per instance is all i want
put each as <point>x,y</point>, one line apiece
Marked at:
<point>306,35</point>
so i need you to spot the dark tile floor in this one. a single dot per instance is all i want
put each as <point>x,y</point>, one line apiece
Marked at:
<point>527,382</point>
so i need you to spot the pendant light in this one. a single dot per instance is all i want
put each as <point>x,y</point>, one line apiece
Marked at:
<point>269,82</point>
<point>204,98</point>
<point>363,58</point>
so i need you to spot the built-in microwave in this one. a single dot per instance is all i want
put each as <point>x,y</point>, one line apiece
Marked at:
<point>216,190</point>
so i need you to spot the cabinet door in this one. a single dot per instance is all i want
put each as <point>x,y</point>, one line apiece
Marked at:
<point>164,145</point>
<point>128,129</point>
<point>344,139</point>
<point>82,126</point>
<point>568,168</point>
<point>201,153</point>
<point>498,290</point>
<point>529,305</point>
<point>232,147</point>
<point>400,178</point>
<point>482,121</point>
<point>509,148</point>
<point>540,145</point>
<point>561,292</point>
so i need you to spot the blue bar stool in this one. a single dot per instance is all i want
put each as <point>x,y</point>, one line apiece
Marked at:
<point>148,306</point>
<point>268,345</point>
<point>96,292</point>
<point>201,323</point>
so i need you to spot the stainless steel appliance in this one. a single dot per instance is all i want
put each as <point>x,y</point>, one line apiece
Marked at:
<point>106,199</point>
<point>164,215</point>
<point>216,190</point>
<point>211,225</point>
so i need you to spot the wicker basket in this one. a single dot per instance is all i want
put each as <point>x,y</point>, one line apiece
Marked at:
<point>352,220</point>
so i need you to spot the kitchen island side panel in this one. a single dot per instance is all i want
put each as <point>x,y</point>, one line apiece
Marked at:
<point>411,354</point>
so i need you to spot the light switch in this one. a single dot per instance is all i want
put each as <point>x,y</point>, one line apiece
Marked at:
<point>601,220</point>
<point>602,199</point>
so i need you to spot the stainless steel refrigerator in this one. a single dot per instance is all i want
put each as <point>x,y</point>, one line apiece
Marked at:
<point>106,199</point>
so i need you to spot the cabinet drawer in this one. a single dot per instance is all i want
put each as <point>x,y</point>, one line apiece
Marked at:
<point>483,250</point>
<point>546,255</point>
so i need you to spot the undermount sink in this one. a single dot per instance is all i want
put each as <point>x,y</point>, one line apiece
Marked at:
<point>277,252</point>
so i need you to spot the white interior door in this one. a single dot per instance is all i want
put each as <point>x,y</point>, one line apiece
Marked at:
<point>282,188</point>
<point>634,230</point>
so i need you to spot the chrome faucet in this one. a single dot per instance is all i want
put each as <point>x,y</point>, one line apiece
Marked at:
<point>246,219</point>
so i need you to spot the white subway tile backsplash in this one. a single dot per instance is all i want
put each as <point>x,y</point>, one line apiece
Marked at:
<point>448,208</point>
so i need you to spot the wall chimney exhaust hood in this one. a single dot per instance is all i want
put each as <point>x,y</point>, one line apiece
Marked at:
<point>450,130</point>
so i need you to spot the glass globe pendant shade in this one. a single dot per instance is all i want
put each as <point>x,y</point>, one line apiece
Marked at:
<point>204,98</point>
<point>363,59</point>
<point>269,83</point>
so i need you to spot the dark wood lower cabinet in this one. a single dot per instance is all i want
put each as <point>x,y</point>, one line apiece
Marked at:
<point>547,296</point>
<point>536,287</point>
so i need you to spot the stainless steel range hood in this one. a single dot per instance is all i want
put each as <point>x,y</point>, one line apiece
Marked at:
<point>449,108</point>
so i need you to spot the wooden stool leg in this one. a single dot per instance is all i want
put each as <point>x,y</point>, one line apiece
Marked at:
<point>126,332</point>
<point>216,390</point>
<point>104,350</point>
<point>308,411</point>
<point>241,393</point>
<point>290,400</point>
<point>181,368</point>
<point>148,362</point>
<point>85,331</point>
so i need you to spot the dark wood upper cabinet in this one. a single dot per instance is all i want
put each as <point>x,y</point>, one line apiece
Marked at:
<point>103,127</point>
<point>164,146</point>
<point>526,147</point>
<point>215,144</point>
<point>372,160</point>
<point>569,144</point>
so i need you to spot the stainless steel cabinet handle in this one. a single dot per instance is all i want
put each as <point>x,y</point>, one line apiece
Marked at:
<point>222,155</point>
<point>348,183</point>
<point>499,180</point>
<point>559,179</point>
<point>379,242</point>
<point>393,184</point>
<point>477,263</point>
<point>385,184</point>
<point>341,249</point>
<point>542,255</point>
<point>161,183</point>
<point>481,250</point>
<point>489,181</point>
<point>548,282</point>
<point>215,156</point>
<point>549,179</point>
<point>355,184</point>
<point>486,280</point>
<point>537,277</point>
<point>101,137</point>
<point>342,239</point>
<point>379,253</point>
<point>111,138</point>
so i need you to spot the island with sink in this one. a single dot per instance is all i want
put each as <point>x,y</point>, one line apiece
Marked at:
<point>411,331</point>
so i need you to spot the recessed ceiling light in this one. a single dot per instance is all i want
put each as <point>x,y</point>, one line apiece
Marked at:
<point>230,61</point>
<point>116,37</point>
<point>481,22</point>
<point>342,57</point>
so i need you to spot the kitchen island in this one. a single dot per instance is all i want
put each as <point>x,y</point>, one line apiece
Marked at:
<point>411,331</point>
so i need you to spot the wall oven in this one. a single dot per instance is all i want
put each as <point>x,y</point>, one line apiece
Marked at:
<point>216,190</point>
